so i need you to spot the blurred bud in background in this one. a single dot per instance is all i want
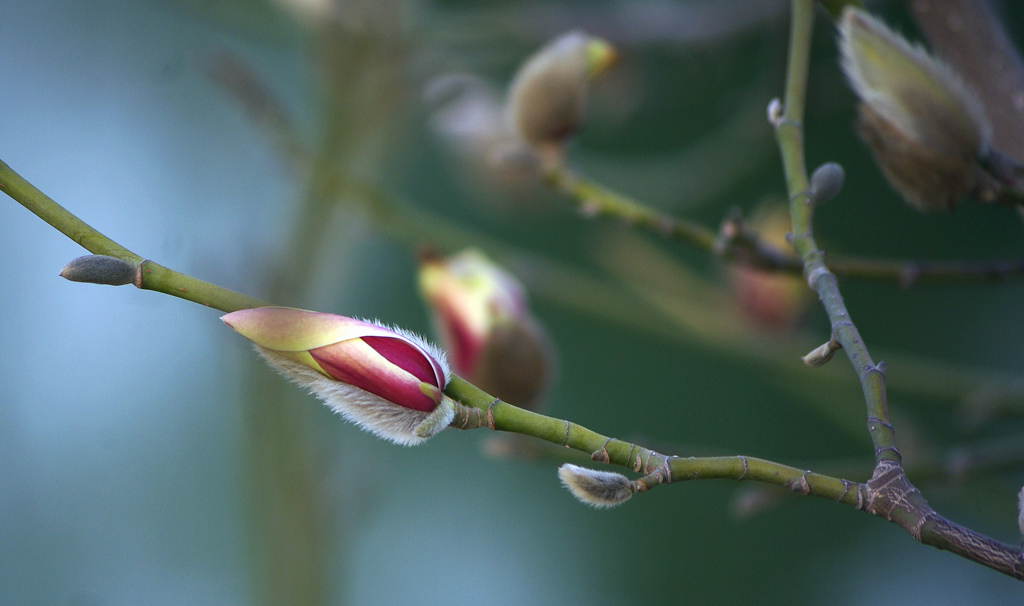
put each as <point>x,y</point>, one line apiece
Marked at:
<point>525,132</point>
<point>387,381</point>
<point>484,321</point>
<point>927,130</point>
<point>769,299</point>
<point>547,99</point>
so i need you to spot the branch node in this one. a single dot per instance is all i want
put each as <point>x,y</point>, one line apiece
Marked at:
<point>817,273</point>
<point>601,455</point>
<point>490,415</point>
<point>801,486</point>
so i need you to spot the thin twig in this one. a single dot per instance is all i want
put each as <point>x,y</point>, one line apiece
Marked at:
<point>737,243</point>
<point>889,494</point>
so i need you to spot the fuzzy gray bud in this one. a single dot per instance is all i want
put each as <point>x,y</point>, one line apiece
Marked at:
<point>598,488</point>
<point>826,182</point>
<point>100,269</point>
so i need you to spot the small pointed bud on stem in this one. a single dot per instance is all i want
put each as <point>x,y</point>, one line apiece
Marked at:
<point>101,269</point>
<point>822,354</point>
<point>826,182</point>
<point>598,488</point>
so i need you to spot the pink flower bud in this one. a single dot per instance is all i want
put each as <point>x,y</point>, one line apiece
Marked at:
<point>485,324</point>
<point>388,381</point>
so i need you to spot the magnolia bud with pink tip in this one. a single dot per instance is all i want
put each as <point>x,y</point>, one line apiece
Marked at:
<point>483,317</point>
<point>385,380</point>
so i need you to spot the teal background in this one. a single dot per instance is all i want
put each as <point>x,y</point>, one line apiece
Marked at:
<point>121,412</point>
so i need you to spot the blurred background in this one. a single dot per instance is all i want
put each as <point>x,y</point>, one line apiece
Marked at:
<point>147,456</point>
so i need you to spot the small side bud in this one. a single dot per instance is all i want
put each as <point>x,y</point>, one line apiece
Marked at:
<point>822,354</point>
<point>546,100</point>
<point>100,269</point>
<point>826,182</point>
<point>597,488</point>
<point>775,111</point>
<point>926,129</point>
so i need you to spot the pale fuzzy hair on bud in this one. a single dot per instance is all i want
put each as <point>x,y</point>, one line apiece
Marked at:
<point>909,88</point>
<point>546,101</point>
<point>597,488</point>
<point>926,129</point>
<point>399,424</point>
<point>100,269</point>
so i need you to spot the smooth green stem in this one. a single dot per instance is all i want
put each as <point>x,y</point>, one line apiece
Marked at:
<point>43,206</point>
<point>158,278</point>
<point>789,131</point>
<point>494,414</point>
<point>594,199</point>
<point>154,276</point>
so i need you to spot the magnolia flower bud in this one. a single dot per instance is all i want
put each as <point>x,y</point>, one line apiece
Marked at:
<point>482,315</point>
<point>598,488</point>
<point>546,101</point>
<point>387,381</point>
<point>926,128</point>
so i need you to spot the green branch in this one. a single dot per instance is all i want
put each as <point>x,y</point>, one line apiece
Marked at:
<point>153,276</point>
<point>491,413</point>
<point>889,494</point>
<point>483,410</point>
<point>737,243</point>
